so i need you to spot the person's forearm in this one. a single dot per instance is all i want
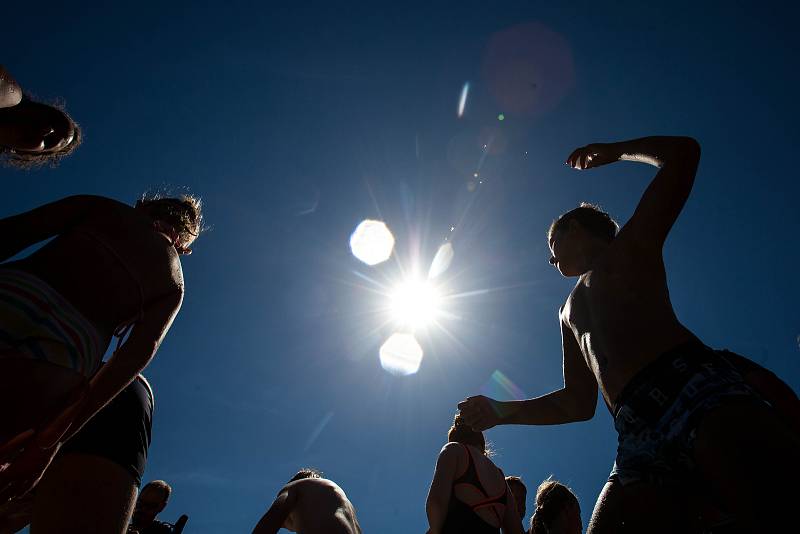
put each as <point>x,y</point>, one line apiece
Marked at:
<point>554,408</point>
<point>657,150</point>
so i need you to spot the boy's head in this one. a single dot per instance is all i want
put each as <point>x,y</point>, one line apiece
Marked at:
<point>575,233</point>
<point>520,493</point>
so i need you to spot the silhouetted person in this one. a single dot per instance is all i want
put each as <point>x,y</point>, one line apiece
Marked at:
<point>682,412</point>
<point>557,510</point>
<point>151,502</point>
<point>32,133</point>
<point>111,269</point>
<point>310,504</point>
<point>469,493</point>
<point>520,493</point>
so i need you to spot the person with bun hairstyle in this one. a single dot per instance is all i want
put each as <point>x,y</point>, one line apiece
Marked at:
<point>557,510</point>
<point>469,493</point>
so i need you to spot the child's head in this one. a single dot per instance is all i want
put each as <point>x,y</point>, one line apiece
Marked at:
<point>182,216</point>
<point>520,493</point>
<point>557,510</point>
<point>570,235</point>
<point>34,133</point>
<point>461,432</point>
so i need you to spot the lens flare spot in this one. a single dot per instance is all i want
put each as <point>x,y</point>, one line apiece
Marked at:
<point>415,303</point>
<point>401,354</point>
<point>441,262</point>
<point>372,242</point>
<point>462,101</point>
<point>501,387</point>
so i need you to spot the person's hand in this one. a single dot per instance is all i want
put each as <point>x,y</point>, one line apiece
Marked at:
<point>594,155</point>
<point>24,472</point>
<point>481,413</point>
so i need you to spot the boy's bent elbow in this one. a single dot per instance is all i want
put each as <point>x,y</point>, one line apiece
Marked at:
<point>690,148</point>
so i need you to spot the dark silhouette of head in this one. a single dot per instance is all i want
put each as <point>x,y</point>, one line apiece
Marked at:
<point>557,510</point>
<point>152,500</point>
<point>520,493</point>
<point>33,134</point>
<point>461,432</point>
<point>576,238</point>
<point>181,217</point>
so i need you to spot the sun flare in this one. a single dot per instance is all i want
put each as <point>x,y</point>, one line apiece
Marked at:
<point>415,303</point>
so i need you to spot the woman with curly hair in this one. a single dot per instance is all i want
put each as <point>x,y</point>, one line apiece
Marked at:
<point>557,510</point>
<point>469,493</point>
<point>109,270</point>
<point>32,133</point>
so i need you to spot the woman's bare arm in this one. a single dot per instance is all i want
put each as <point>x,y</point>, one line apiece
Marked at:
<point>439,494</point>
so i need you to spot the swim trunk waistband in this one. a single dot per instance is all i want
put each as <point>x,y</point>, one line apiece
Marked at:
<point>36,322</point>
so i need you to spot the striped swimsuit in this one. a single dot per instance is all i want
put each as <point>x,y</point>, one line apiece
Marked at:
<point>36,322</point>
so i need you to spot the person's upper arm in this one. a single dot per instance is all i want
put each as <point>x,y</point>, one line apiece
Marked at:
<point>442,484</point>
<point>18,232</point>
<point>666,195</point>
<point>272,521</point>
<point>10,91</point>
<point>579,381</point>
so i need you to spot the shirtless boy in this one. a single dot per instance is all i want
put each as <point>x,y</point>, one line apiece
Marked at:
<point>685,417</point>
<point>310,504</point>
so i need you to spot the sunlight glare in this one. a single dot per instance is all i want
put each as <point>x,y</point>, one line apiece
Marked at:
<point>401,354</point>
<point>372,242</point>
<point>415,303</point>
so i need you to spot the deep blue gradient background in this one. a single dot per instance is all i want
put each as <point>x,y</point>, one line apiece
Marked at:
<point>349,111</point>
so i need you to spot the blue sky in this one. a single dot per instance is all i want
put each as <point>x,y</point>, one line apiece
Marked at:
<point>270,110</point>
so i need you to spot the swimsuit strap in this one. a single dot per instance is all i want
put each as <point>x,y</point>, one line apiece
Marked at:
<point>471,477</point>
<point>125,327</point>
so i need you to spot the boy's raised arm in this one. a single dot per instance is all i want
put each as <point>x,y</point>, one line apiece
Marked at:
<point>677,159</point>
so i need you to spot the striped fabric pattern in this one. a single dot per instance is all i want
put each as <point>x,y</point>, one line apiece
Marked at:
<point>38,323</point>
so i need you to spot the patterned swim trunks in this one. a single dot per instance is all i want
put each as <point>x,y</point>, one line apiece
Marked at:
<point>658,412</point>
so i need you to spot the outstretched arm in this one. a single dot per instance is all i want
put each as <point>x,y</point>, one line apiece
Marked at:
<point>18,232</point>
<point>439,494</point>
<point>677,159</point>
<point>576,401</point>
<point>10,91</point>
<point>273,520</point>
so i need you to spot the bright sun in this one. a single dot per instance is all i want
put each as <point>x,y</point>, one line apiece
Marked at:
<point>415,303</point>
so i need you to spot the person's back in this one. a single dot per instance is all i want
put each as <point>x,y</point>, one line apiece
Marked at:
<point>469,492</point>
<point>310,504</point>
<point>108,264</point>
<point>321,506</point>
